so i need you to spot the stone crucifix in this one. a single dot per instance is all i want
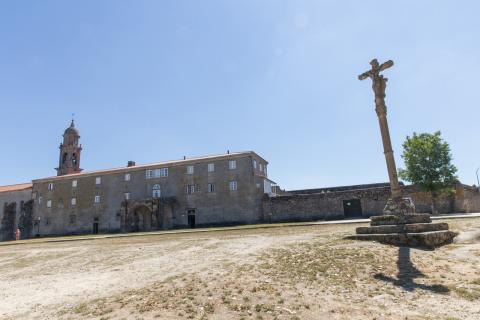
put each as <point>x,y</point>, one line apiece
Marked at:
<point>395,205</point>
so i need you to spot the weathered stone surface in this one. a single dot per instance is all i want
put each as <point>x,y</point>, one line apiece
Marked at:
<point>400,206</point>
<point>403,228</point>
<point>395,220</point>
<point>423,239</point>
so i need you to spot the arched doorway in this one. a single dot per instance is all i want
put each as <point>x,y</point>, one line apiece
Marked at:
<point>142,219</point>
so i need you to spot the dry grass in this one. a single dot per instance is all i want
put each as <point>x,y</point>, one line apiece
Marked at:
<point>285,273</point>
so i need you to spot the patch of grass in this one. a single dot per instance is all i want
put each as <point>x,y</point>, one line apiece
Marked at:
<point>467,294</point>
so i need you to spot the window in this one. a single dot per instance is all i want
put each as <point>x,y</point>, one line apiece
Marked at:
<point>265,169</point>
<point>39,200</point>
<point>98,180</point>
<point>232,164</point>
<point>73,202</point>
<point>233,185</point>
<point>73,218</point>
<point>97,199</point>
<point>254,164</point>
<point>127,195</point>
<point>211,167</point>
<point>49,203</point>
<point>211,188</point>
<point>127,177</point>
<point>50,186</point>
<point>164,172</point>
<point>189,169</point>
<point>149,174</point>
<point>157,173</point>
<point>260,167</point>
<point>74,183</point>
<point>156,192</point>
<point>190,189</point>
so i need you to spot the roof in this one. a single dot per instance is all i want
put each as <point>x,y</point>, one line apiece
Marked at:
<point>153,165</point>
<point>16,187</point>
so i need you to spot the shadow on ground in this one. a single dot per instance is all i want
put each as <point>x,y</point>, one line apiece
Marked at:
<point>407,273</point>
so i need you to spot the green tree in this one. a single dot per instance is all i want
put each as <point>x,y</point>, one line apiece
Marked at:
<point>428,164</point>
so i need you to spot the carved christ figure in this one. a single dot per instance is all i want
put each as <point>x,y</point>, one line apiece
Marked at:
<point>379,82</point>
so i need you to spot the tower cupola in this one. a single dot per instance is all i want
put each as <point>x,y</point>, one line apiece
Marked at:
<point>70,150</point>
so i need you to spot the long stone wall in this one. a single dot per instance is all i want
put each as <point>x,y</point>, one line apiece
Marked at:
<point>325,204</point>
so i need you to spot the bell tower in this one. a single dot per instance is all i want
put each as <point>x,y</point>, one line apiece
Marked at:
<point>70,150</point>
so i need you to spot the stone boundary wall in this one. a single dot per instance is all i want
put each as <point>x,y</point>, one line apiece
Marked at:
<point>305,205</point>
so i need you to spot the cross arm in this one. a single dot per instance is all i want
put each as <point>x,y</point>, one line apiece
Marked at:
<point>365,75</point>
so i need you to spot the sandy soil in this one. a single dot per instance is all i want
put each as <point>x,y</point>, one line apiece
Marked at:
<point>283,273</point>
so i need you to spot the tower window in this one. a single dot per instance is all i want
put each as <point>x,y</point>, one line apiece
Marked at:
<point>232,164</point>
<point>74,159</point>
<point>98,180</point>
<point>156,191</point>
<point>64,158</point>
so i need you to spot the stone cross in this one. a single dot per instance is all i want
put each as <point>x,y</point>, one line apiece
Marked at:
<point>379,84</point>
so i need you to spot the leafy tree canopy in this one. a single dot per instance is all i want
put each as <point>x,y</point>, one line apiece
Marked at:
<point>428,162</point>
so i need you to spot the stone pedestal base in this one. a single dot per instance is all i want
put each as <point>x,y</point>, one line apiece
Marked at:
<point>411,230</point>
<point>400,206</point>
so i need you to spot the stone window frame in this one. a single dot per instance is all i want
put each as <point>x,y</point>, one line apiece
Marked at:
<point>233,185</point>
<point>156,191</point>
<point>211,167</point>
<point>211,188</point>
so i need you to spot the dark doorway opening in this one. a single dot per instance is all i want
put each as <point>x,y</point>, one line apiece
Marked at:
<point>95,226</point>
<point>191,218</point>
<point>352,208</point>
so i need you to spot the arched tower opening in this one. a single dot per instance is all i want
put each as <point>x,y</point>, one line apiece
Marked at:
<point>70,151</point>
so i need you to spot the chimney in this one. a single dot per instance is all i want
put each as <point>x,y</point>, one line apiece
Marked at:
<point>131,164</point>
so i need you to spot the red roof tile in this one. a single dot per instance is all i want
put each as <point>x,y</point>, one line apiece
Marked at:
<point>15,187</point>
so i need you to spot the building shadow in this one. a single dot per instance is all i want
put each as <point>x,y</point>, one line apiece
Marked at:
<point>407,273</point>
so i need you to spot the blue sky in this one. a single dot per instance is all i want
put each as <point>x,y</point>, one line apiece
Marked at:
<point>156,80</point>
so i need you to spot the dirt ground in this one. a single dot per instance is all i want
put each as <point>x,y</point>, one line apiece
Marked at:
<point>307,272</point>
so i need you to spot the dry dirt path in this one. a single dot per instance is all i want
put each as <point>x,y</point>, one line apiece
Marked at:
<point>305,272</point>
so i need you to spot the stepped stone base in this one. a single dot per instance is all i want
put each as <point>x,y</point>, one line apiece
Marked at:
<point>412,230</point>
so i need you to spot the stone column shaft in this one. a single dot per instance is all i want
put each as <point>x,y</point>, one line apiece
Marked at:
<point>388,151</point>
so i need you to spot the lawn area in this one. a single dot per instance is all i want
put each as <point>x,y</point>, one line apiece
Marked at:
<point>307,272</point>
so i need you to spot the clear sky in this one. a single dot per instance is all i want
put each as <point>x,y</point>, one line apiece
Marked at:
<point>156,80</point>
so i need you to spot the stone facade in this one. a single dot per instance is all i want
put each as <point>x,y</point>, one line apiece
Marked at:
<point>15,211</point>
<point>215,190</point>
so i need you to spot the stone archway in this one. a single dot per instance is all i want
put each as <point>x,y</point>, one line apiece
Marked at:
<point>142,219</point>
<point>146,214</point>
